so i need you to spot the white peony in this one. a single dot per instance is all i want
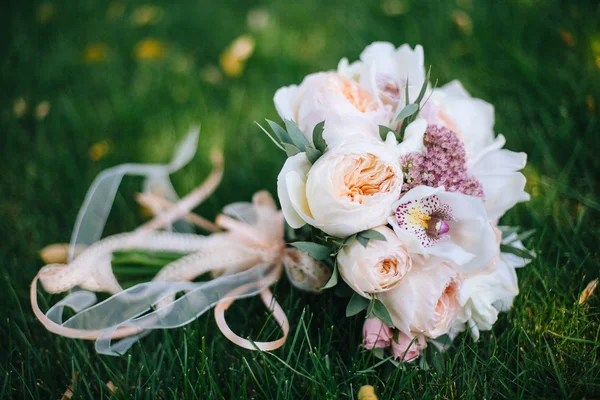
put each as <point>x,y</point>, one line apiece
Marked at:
<point>470,118</point>
<point>425,300</point>
<point>349,189</point>
<point>376,268</point>
<point>485,294</point>
<point>333,98</point>
<point>497,171</point>
<point>386,69</point>
<point>448,225</point>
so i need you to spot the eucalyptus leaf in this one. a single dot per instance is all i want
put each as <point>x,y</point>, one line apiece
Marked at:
<point>508,230</point>
<point>363,240</point>
<point>270,136</point>
<point>372,234</point>
<point>382,313</point>
<point>290,149</point>
<point>315,250</point>
<point>407,111</point>
<point>334,278</point>
<point>313,154</point>
<point>281,134</point>
<point>356,304</point>
<point>525,235</point>
<point>406,99</point>
<point>318,140</point>
<point>349,240</point>
<point>384,130</point>
<point>298,138</point>
<point>423,88</point>
<point>506,248</point>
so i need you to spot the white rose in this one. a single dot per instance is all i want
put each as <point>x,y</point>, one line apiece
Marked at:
<point>497,170</point>
<point>330,97</point>
<point>376,268</point>
<point>425,300</point>
<point>386,69</point>
<point>470,118</point>
<point>349,189</point>
<point>485,294</point>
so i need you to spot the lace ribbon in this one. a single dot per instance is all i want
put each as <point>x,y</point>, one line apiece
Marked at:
<point>248,257</point>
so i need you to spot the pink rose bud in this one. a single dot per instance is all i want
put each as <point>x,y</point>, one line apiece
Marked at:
<point>407,349</point>
<point>376,334</point>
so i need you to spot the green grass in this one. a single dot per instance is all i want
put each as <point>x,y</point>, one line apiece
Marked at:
<point>543,86</point>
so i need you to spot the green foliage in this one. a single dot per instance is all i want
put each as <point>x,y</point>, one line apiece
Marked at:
<point>546,95</point>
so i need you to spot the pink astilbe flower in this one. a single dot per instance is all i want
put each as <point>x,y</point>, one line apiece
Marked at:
<point>443,164</point>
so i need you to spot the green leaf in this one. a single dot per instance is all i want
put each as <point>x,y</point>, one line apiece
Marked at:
<point>298,138</point>
<point>508,230</point>
<point>444,340</point>
<point>506,248</point>
<point>270,136</point>
<point>436,358</point>
<point>315,250</point>
<point>290,149</point>
<point>423,88</point>
<point>407,111</point>
<point>318,140</point>
<point>356,304</point>
<point>313,154</point>
<point>349,240</point>
<point>334,278</point>
<point>525,235</point>
<point>363,240</point>
<point>372,234</point>
<point>382,313</point>
<point>281,134</point>
<point>384,130</point>
<point>406,99</point>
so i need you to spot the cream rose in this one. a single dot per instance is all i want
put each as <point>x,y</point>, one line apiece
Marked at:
<point>376,268</point>
<point>425,300</point>
<point>351,188</point>
<point>330,97</point>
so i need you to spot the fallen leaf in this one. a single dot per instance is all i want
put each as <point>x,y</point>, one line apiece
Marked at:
<point>234,57</point>
<point>588,291</point>
<point>367,392</point>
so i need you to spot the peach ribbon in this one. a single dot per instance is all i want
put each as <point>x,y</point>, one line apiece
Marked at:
<point>259,241</point>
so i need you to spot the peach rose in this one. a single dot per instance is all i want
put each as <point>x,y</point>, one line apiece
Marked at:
<point>376,268</point>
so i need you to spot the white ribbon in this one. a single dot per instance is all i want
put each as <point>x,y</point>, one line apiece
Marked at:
<point>248,255</point>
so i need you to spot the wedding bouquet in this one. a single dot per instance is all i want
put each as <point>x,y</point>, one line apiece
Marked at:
<point>390,184</point>
<point>402,186</point>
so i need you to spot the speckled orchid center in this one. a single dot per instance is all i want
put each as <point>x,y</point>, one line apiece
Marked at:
<point>426,218</point>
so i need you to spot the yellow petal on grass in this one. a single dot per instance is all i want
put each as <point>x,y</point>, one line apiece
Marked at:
<point>96,53</point>
<point>42,110</point>
<point>463,21</point>
<point>234,58</point>
<point>99,150</point>
<point>367,392</point>
<point>150,49</point>
<point>145,15</point>
<point>588,291</point>
<point>19,107</point>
